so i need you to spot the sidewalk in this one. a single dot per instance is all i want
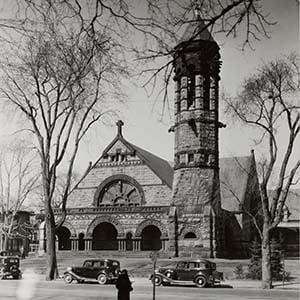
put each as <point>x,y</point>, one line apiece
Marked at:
<point>236,284</point>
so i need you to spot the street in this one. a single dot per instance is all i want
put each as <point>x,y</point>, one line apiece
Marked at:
<point>58,290</point>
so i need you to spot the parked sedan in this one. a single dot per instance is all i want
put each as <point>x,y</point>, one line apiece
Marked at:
<point>10,267</point>
<point>100,270</point>
<point>200,272</point>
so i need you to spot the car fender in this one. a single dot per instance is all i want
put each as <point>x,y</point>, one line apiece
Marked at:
<point>164,277</point>
<point>75,276</point>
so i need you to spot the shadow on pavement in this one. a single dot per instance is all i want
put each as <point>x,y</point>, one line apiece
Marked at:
<point>287,283</point>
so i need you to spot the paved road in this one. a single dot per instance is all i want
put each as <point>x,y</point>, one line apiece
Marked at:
<point>58,290</point>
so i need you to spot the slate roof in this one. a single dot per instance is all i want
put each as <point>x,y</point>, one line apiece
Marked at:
<point>293,204</point>
<point>158,165</point>
<point>196,31</point>
<point>235,173</point>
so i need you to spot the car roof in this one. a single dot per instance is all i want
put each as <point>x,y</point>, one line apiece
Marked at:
<point>101,259</point>
<point>196,260</point>
<point>10,256</point>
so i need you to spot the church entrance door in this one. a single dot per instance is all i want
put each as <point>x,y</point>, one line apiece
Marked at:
<point>150,238</point>
<point>63,235</point>
<point>105,237</point>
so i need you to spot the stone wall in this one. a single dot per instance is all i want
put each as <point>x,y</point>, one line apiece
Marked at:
<point>155,191</point>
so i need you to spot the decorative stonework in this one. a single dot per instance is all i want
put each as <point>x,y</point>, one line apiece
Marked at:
<point>119,189</point>
<point>154,222</point>
<point>108,219</point>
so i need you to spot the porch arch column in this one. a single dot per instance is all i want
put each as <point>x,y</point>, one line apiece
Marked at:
<point>87,244</point>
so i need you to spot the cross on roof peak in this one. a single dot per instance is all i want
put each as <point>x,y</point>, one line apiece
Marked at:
<point>120,123</point>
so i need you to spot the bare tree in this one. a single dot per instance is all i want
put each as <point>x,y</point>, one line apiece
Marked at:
<point>269,101</point>
<point>59,77</point>
<point>18,181</point>
<point>151,29</point>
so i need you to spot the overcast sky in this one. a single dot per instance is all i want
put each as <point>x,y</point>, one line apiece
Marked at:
<point>143,125</point>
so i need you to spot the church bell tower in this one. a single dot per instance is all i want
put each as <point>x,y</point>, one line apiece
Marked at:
<point>196,191</point>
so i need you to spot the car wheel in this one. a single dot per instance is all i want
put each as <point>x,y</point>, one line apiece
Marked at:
<point>68,278</point>
<point>200,281</point>
<point>102,279</point>
<point>157,280</point>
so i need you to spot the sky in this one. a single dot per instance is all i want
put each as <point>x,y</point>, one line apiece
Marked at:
<point>143,123</point>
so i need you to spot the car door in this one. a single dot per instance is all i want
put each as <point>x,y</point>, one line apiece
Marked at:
<point>182,271</point>
<point>87,269</point>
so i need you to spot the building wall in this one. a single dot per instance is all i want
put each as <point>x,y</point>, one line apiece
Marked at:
<point>155,191</point>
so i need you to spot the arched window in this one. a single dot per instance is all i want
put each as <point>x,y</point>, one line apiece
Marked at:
<point>206,93</point>
<point>191,87</point>
<point>190,235</point>
<point>119,190</point>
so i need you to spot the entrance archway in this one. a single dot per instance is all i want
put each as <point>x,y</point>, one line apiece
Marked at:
<point>81,242</point>
<point>129,243</point>
<point>105,237</point>
<point>63,234</point>
<point>150,238</point>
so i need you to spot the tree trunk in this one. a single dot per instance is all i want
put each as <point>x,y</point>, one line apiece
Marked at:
<point>266,259</point>
<point>51,250</point>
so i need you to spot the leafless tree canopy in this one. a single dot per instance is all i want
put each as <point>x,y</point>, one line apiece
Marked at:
<point>269,101</point>
<point>148,30</point>
<point>19,179</point>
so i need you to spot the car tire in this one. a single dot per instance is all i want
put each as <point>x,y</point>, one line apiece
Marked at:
<point>200,281</point>
<point>68,278</point>
<point>157,280</point>
<point>102,279</point>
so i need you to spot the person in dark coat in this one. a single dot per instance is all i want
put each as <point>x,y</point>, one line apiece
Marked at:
<point>123,285</point>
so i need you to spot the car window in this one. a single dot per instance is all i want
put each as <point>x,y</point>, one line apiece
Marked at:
<point>88,264</point>
<point>183,265</point>
<point>200,265</point>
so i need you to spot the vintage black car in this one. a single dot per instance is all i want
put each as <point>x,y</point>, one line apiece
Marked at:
<point>100,270</point>
<point>9,267</point>
<point>200,272</point>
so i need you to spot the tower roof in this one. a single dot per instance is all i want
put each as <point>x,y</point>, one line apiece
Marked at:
<point>196,31</point>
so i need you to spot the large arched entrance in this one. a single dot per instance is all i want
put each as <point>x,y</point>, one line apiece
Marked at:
<point>81,242</point>
<point>63,234</point>
<point>150,238</point>
<point>105,237</point>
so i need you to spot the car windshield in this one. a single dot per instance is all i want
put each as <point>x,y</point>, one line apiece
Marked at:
<point>115,263</point>
<point>12,260</point>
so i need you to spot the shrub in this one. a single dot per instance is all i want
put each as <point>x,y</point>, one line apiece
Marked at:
<point>239,271</point>
<point>277,269</point>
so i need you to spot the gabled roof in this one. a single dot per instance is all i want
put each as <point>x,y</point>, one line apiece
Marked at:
<point>158,165</point>
<point>292,204</point>
<point>235,173</point>
<point>196,31</point>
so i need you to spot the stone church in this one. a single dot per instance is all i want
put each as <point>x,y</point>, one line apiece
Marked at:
<point>134,201</point>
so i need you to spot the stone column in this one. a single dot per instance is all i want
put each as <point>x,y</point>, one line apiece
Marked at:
<point>87,244</point>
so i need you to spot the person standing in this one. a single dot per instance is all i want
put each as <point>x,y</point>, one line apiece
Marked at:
<point>124,286</point>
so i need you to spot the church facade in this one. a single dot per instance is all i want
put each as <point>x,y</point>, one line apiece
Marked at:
<point>134,201</point>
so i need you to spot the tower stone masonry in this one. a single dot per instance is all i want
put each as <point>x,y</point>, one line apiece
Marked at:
<point>196,189</point>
